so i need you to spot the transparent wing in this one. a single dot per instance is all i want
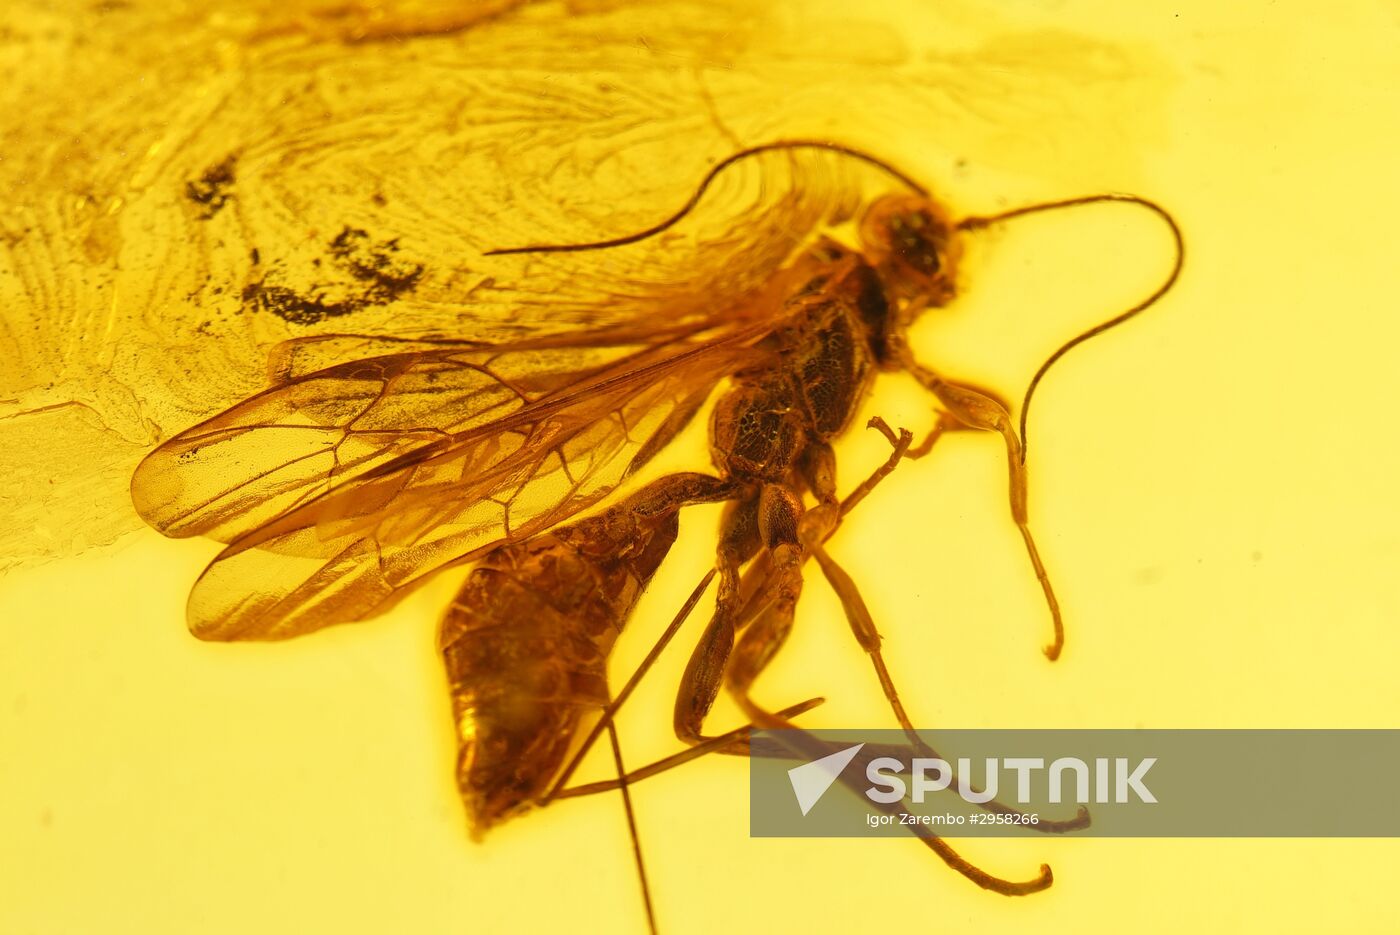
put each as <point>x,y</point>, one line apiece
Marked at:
<point>323,426</point>
<point>341,489</point>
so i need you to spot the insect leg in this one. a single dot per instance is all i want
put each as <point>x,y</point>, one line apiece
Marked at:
<point>632,827</point>
<point>807,747</point>
<point>762,638</point>
<point>858,615</point>
<point>900,443</point>
<point>863,626</point>
<point>735,741</point>
<point>978,410</point>
<point>739,541</point>
<point>778,514</point>
<point>776,601</point>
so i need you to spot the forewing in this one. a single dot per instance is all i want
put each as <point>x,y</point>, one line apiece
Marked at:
<point>319,430</point>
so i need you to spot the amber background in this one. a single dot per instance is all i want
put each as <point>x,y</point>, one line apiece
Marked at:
<point>1212,485</point>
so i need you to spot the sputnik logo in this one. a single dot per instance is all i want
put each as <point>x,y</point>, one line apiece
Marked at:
<point>811,780</point>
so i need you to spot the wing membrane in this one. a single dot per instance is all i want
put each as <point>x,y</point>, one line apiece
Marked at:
<point>343,488</point>
<point>297,441</point>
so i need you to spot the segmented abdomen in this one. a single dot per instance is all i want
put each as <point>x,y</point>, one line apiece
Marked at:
<point>526,644</point>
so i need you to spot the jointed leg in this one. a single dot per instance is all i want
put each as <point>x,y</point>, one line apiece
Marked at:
<point>978,410</point>
<point>770,519</point>
<point>736,741</point>
<point>623,786</point>
<point>809,748</point>
<point>863,625</point>
<point>765,635</point>
<point>762,638</point>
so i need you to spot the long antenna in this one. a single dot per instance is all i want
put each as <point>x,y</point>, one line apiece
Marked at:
<point>699,192</point>
<point>974,223</point>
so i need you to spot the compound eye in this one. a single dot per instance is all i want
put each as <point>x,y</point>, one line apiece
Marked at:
<point>913,244</point>
<point>916,239</point>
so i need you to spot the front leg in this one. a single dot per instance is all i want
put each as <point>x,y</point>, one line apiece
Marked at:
<point>978,410</point>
